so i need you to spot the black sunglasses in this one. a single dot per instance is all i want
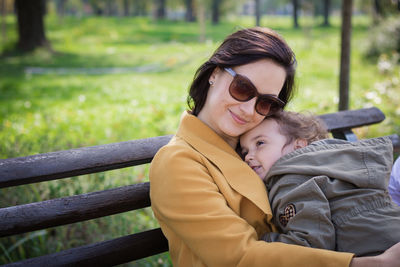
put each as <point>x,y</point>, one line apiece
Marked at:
<point>242,89</point>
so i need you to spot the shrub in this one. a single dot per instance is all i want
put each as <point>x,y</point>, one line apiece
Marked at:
<point>384,39</point>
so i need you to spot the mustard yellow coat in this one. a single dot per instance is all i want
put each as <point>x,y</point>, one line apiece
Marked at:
<point>213,208</point>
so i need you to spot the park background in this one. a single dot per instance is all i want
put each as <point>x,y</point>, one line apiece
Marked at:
<point>112,71</point>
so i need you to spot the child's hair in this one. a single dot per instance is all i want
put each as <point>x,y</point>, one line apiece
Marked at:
<point>295,125</point>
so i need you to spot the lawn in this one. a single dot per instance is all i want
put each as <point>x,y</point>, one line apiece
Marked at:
<point>71,98</point>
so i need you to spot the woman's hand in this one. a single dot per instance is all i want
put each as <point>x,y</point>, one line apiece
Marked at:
<point>390,258</point>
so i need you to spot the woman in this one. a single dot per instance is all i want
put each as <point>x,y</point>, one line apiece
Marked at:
<point>210,205</point>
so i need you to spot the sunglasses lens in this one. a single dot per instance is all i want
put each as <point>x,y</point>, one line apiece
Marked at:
<point>267,106</point>
<point>263,107</point>
<point>241,89</point>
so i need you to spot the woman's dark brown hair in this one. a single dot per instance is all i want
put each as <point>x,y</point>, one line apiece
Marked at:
<point>243,47</point>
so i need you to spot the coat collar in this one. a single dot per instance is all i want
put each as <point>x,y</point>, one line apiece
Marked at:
<point>237,173</point>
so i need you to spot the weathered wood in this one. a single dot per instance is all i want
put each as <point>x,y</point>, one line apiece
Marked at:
<point>396,142</point>
<point>74,162</point>
<point>107,253</point>
<point>61,211</point>
<point>345,135</point>
<point>345,120</point>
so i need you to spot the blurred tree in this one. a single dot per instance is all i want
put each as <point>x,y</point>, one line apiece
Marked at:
<point>378,8</point>
<point>347,8</point>
<point>216,7</point>
<point>295,12</point>
<point>126,8</point>
<point>160,9</point>
<point>3,20</point>
<point>60,7</point>
<point>201,15</point>
<point>257,12</point>
<point>381,9</point>
<point>327,5</point>
<point>140,7</point>
<point>190,12</point>
<point>31,31</point>
<point>97,7</point>
<point>111,8</point>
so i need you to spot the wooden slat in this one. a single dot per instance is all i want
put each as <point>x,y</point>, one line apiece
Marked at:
<point>396,142</point>
<point>61,211</point>
<point>349,119</point>
<point>73,162</point>
<point>107,253</point>
<point>346,134</point>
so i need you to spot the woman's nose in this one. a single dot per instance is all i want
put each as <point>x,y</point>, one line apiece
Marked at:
<point>248,107</point>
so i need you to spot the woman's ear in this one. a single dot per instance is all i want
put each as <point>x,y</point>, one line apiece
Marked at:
<point>214,74</point>
<point>300,143</point>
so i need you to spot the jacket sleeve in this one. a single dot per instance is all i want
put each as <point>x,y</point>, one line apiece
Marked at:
<point>191,209</point>
<point>302,213</point>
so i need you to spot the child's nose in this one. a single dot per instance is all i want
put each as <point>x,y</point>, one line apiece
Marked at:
<point>248,157</point>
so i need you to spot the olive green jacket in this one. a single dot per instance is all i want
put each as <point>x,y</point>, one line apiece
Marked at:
<point>333,194</point>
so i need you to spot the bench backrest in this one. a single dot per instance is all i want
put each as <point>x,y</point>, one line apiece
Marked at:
<point>62,164</point>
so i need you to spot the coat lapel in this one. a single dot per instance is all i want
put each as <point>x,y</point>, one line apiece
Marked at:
<point>238,174</point>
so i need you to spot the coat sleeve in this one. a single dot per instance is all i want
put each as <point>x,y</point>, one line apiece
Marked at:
<point>192,212</point>
<point>302,213</point>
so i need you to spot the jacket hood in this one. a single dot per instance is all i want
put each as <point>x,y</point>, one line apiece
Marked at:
<point>366,163</point>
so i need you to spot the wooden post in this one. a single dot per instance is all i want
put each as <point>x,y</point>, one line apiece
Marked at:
<point>347,7</point>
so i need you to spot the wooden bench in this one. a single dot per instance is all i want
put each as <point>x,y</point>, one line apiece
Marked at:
<point>62,164</point>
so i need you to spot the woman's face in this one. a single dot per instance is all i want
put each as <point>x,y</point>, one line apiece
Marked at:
<point>230,118</point>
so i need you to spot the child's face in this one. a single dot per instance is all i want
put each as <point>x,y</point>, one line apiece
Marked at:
<point>263,146</point>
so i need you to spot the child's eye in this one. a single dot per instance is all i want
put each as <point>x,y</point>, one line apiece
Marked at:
<point>259,143</point>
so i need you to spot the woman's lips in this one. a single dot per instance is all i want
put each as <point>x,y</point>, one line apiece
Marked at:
<point>237,119</point>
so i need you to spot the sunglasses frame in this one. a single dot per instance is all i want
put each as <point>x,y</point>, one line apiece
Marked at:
<point>276,103</point>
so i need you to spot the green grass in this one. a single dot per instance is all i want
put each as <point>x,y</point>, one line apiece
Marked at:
<point>43,113</point>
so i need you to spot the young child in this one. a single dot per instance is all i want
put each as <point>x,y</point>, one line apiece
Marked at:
<point>330,193</point>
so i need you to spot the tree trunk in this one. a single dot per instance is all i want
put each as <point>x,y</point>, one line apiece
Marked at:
<point>376,12</point>
<point>190,17</point>
<point>327,6</point>
<point>30,24</point>
<point>257,12</point>
<point>215,11</point>
<point>347,7</point>
<point>295,11</point>
<point>3,21</point>
<point>160,11</point>
<point>201,14</point>
<point>378,8</point>
<point>60,7</point>
<point>126,8</point>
